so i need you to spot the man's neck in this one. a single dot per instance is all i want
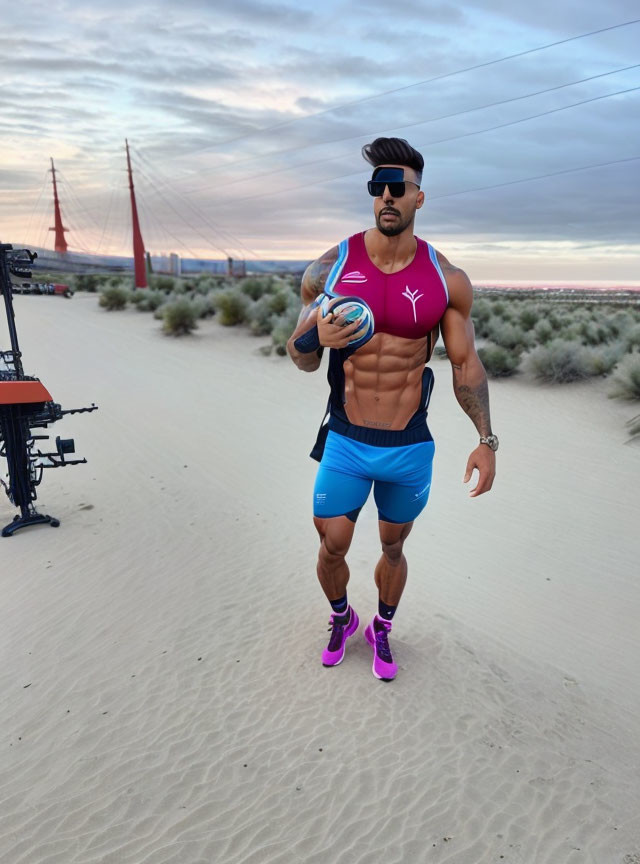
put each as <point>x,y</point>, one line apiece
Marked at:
<point>390,253</point>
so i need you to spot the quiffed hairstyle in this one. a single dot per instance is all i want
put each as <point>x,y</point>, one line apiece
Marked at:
<point>393,151</point>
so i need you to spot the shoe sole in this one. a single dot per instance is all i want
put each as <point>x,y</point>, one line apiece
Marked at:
<point>372,643</point>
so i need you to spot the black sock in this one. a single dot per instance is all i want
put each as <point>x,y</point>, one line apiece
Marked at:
<point>340,606</point>
<point>386,612</point>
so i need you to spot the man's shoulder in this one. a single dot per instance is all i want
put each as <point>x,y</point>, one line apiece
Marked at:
<point>316,274</point>
<point>458,283</point>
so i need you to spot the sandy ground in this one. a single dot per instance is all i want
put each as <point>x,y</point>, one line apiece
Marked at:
<point>163,697</point>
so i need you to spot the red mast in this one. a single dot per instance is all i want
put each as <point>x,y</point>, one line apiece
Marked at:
<point>60,243</point>
<point>138,244</point>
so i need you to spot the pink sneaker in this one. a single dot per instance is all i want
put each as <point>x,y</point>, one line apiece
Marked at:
<point>376,634</point>
<point>341,628</point>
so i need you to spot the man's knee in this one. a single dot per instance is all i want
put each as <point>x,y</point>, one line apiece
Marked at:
<point>392,537</point>
<point>393,551</point>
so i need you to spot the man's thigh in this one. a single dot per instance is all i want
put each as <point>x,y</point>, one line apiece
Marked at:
<point>342,483</point>
<point>403,498</point>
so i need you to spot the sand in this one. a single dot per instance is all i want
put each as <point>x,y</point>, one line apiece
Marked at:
<point>163,697</point>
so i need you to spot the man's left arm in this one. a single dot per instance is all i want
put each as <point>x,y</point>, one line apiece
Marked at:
<point>469,376</point>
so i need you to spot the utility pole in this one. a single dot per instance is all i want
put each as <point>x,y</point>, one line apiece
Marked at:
<point>138,244</point>
<point>60,242</point>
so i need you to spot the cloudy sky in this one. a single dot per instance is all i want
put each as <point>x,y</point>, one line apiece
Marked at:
<point>246,120</point>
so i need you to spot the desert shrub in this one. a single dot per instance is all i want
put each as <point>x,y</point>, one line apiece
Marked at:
<point>626,379</point>
<point>260,316</point>
<point>113,298</point>
<point>206,304</point>
<point>179,317</point>
<point>232,306</point>
<point>148,300</point>
<point>508,335</point>
<point>85,282</point>
<point>283,327</point>
<point>281,300</point>
<point>201,306</point>
<point>481,310</point>
<point>498,361</point>
<point>203,285</point>
<point>543,332</point>
<point>167,284</point>
<point>632,337</point>
<point>601,360</point>
<point>592,333</point>
<point>620,322</point>
<point>528,317</point>
<point>256,286</point>
<point>559,361</point>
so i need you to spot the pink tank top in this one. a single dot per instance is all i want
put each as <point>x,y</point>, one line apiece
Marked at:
<point>408,303</point>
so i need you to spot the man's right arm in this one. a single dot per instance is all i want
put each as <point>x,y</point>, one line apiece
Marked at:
<point>313,282</point>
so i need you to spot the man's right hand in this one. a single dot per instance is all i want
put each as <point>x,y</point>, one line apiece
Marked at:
<point>331,330</point>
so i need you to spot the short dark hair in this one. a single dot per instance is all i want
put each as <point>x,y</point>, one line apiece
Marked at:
<point>393,151</point>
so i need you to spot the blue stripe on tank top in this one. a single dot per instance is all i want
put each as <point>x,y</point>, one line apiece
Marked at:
<point>436,264</point>
<point>336,270</point>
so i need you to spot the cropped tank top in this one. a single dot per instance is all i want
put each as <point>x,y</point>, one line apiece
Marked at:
<point>408,303</point>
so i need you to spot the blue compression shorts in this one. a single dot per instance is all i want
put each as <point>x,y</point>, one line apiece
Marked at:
<point>402,477</point>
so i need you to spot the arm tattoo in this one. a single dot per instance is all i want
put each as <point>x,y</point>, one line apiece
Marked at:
<point>316,274</point>
<point>474,400</point>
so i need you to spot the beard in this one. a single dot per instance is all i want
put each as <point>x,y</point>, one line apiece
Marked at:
<point>392,230</point>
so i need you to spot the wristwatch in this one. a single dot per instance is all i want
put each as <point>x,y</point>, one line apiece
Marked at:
<point>490,441</point>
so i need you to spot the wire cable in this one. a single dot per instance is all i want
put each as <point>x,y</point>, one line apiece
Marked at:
<point>197,212</point>
<point>430,143</point>
<point>409,86</point>
<point>434,119</point>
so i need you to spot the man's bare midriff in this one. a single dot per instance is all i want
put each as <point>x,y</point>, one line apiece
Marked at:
<point>383,381</point>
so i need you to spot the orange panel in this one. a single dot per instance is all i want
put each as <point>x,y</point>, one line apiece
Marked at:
<point>17,392</point>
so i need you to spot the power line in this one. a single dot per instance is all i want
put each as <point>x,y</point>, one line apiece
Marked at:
<point>424,121</point>
<point>197,212</point>
<point>408,87</point>
<point>36,205</point>
<point>168,201</point>
<point>537,177</point>
<point>476,189</point>
<point>430,143</point>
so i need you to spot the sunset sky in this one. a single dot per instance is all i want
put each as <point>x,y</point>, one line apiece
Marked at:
<point>246,120</point>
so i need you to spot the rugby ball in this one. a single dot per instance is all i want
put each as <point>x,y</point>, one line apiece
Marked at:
<point>352,309</point>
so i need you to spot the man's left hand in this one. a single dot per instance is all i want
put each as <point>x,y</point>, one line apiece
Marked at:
<point>484,459</point>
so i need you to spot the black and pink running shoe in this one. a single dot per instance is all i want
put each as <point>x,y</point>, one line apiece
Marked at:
<point>376,633</point>
<point>341,627</point>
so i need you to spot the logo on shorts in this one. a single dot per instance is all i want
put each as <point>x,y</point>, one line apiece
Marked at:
<point>411,295</point>
<point>422,491</point>
<point>321,498</point>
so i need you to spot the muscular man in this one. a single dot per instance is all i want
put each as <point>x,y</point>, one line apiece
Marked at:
<point>380,387</point>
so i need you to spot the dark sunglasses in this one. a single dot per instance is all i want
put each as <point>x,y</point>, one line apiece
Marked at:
<point>391,177</point>
<point>396,189</point>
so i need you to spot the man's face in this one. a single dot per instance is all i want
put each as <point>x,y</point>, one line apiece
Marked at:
<point>395,215</point>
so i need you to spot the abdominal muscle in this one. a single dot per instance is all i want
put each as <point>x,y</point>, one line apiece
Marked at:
<point>383,381</point>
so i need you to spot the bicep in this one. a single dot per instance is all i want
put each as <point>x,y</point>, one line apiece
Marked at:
<point>457,326</point>
<point>458,336</point>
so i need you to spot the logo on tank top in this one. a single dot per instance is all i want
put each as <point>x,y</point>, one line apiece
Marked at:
<point>411,295</point>
<point>354,276</point>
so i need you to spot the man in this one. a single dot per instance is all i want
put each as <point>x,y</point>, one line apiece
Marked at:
<point>380,388</point>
